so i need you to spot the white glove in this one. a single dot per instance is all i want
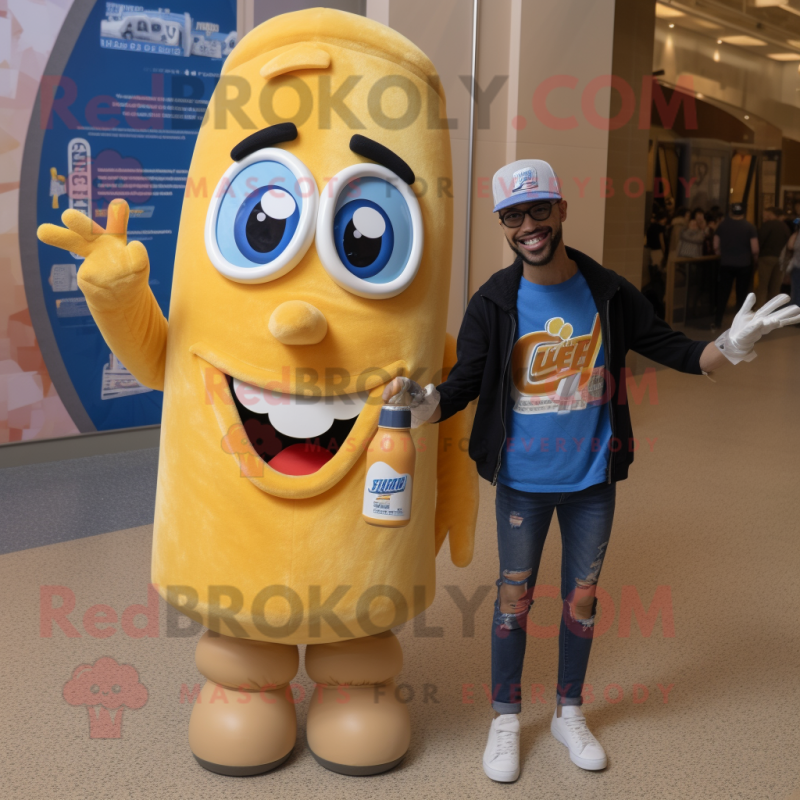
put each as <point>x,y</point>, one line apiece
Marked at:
<point>736,344</point>
<point>422,402</point>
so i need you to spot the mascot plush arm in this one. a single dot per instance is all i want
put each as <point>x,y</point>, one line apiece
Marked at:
<point>114,279</point>
<point>457,478</point>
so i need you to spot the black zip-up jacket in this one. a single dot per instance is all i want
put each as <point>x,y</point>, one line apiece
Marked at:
<point>488,334</point>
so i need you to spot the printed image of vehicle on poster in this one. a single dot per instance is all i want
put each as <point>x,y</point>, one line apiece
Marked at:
<point>139,30</point>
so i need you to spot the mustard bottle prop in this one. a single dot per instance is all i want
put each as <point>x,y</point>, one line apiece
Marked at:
<point>391,456</point>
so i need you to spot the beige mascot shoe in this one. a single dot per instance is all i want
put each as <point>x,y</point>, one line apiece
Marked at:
<point>356,724</point>
<point>243,722</point>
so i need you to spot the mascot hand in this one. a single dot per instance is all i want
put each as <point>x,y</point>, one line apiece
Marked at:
<point>748,327</point>
<point>113,270</point>
<point>405,392</point>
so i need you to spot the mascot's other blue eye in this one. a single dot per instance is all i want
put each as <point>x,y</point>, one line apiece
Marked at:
<point>265,223</point>
<point>364,237</point>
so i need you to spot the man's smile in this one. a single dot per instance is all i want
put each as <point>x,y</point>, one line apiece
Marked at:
<point>535,241</point>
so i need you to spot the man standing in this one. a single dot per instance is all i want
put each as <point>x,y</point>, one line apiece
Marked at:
<point>655,244</point>
<point>543,345</point>
<point>772,237</point>
<point>736,244</point>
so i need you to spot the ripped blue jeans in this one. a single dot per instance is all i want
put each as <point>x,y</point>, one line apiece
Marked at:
<point>585,519</point>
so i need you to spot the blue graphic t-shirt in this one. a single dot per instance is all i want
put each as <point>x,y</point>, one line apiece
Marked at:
<point>557,424</point>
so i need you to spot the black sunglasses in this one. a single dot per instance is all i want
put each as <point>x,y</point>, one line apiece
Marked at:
<point>538,213</point>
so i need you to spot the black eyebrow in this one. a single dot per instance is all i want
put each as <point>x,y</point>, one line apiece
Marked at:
<point>266,137</point>
<point>381,154</point>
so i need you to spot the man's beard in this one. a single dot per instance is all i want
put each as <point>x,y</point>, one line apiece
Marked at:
<point>543,258</point>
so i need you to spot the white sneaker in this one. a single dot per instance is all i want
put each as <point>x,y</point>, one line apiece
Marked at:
<point>501,756</point>
<point>571,730</point>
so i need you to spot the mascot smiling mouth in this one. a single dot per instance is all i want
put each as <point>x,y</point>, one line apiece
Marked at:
<point>295,435</point>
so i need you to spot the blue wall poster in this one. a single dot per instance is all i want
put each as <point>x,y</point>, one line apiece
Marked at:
<point>120,106</point>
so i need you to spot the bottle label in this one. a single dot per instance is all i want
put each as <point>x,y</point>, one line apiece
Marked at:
<point>387,494</point>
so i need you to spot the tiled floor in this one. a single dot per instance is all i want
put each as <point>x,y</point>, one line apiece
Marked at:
<point>64,500</point>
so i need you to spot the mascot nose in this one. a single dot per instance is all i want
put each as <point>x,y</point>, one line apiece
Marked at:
<point>298,322</point>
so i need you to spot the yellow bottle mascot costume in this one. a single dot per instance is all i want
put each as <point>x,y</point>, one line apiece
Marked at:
<point>312,266</point>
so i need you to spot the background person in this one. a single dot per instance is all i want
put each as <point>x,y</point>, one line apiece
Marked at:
<point>539,344</point>
<point>693,235</point>
<point>772,238</point>
<point>736,244</point>
<point>787,219</point>
<point>679,221</point>
<point>791,275</point>
<point>712,220</point>
<point>655,243</point>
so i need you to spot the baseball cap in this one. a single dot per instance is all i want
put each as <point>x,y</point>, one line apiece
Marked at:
<point>737,208</point>
<point>523,181</point>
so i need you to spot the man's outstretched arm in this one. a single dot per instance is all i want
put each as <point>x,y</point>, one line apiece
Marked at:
<point>712,359</point>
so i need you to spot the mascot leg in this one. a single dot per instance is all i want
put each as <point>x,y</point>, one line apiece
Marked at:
<point>243,721</point>
<point>356,724</point>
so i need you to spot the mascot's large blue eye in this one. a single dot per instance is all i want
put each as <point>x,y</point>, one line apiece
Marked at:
<point>372,230</point>
<point>265,223</point>
<point>369,231</point>
<point>259,219</point>
<point>262,216</point>
<point>364,237</point>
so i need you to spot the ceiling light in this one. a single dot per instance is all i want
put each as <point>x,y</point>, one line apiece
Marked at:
<point>786,5</point>
<point>716,55</point>
<point>667,12</point>
<point>719,41</point>
<point>747,116</point>
<point>672,24</point>
<point>784,56</point>
<point>742,40</point>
